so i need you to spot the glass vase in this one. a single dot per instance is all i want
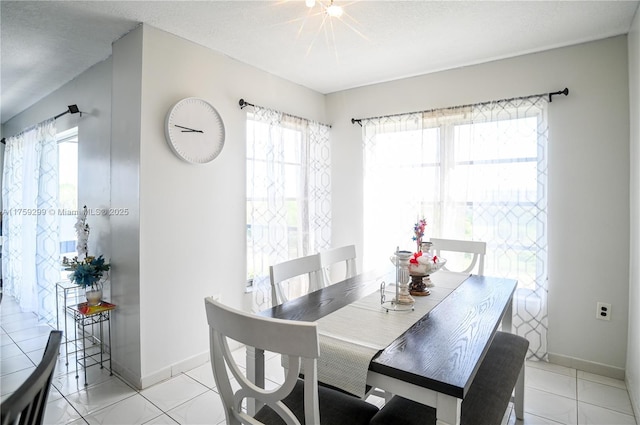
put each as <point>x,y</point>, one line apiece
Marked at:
<point>93,294</point>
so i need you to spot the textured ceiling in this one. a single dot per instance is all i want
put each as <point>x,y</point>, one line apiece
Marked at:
<point>45,44</point>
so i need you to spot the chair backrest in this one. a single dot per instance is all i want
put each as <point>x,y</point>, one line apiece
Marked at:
<point>477,248</point>
<point>27,404</point>
<point>296,341</point>
<point>280,272</point>
<point>336,255</point>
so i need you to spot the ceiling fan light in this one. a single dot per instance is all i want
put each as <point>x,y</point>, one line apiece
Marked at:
<point>334,11</point>
<point>310,3</point>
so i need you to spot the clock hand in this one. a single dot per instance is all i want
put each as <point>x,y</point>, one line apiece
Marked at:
<point>188,130</point>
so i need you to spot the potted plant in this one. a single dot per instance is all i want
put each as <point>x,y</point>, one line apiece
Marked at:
<point>88,273</point>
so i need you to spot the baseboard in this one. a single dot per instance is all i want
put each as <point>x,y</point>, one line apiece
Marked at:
<point>155,377</point>
<point>587,366</point>
<point>128,376</point>
<point>635,398</point>
<point>190,363</point>
<point>174,369</point>
<point>167,372</point>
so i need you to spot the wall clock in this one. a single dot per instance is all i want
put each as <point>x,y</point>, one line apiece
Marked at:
<point>194,130</point>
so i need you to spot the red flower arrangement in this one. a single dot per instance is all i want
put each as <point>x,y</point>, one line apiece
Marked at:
<point>419,264</point>
<point>418,232</point>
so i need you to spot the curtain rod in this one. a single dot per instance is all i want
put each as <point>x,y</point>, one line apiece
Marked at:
<point>71,109</point>
<point>243,103</point>
<point>550,94</point>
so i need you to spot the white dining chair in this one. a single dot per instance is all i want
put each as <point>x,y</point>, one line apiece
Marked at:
<point>477,248</point>
<point>297,400</point>
<point>285,271</point>
<point>331,257</point>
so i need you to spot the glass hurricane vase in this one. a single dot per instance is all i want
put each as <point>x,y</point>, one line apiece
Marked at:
<point>94,293</point>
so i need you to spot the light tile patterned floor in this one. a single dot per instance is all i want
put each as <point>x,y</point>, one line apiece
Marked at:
<point>553,394</point>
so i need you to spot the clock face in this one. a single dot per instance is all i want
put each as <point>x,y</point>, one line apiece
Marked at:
<point>194,130</point>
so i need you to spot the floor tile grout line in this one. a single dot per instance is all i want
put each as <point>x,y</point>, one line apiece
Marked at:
<point>137,392</point>
<point>550,393</point>
<point>602,383</point>
<point>70,404</point>
<point>578,401</point>
<point>577,404</point>
<point>166,412</point>
<point>156,406</point>
<point>106,406</point>
<point>577,378</point>
<point>607,408</point>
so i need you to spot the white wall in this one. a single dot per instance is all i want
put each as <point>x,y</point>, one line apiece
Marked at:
<point>191,229</point>
<point>588,175</point>
<point>127,338</point>
<point>633,350</point>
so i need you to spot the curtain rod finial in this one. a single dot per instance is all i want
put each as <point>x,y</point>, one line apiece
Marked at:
<point>564,92</point>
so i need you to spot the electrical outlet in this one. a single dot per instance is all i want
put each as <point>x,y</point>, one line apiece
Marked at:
<point>603,311</point>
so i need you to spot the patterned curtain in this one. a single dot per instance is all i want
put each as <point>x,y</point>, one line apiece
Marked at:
<point>288,193</point>
<point>476,173</point>
<point>30,252</point>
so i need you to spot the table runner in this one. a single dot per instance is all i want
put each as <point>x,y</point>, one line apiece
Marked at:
<point>351,336</point>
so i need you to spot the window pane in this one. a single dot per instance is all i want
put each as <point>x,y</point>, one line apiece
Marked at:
<point>402,179</point>
<point>275,179</point>
<point>68,190</point>
<point>495,140</point>
<point>505,182</point>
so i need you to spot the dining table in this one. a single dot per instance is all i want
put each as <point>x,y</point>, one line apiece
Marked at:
<point>433,356</point>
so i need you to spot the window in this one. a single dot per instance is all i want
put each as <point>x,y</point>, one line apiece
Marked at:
<point>288,167</point>
<point>476,173</point>
<point>68,190</point>
<point>473,175</point>
<point>288,193</point>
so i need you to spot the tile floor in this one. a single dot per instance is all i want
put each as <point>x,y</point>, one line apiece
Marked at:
<point>553,395</point>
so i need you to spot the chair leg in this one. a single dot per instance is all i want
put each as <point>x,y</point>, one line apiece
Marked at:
<point>255,373</point>
<point>519,394</point>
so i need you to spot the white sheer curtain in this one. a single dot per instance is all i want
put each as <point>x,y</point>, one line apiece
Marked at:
<point>476,172</point>
<point>288,193</point>
<point>30,252</point>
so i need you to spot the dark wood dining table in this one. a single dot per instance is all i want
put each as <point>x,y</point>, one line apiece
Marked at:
<point>435,360</point>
